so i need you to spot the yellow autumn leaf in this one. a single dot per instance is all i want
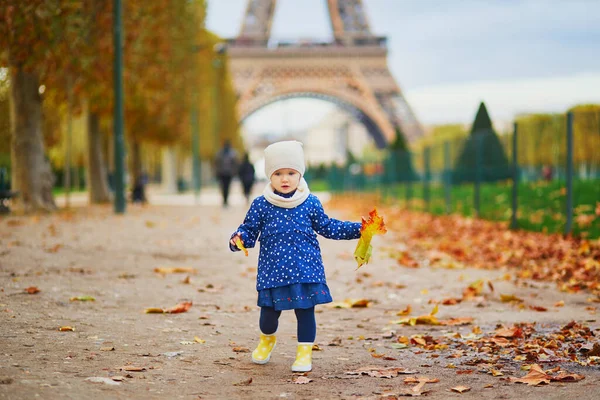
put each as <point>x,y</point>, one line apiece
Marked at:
<point>372,226</point>
<point>82,298</point>
<point>421,320</point>
<point>154,310</point>
<point>240,245</point>
<point>351,303</point>
<point>66,329</point>
<point>406,311</point>
<point>509,298</point>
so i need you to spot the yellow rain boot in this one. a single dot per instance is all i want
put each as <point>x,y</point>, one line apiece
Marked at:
<point>262,353</point>
<point>303,361</point>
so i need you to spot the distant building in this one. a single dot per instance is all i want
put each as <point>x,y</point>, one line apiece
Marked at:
<point>326,142</point>
<point>331,139</point>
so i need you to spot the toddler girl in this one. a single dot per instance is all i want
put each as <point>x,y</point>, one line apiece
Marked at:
<point>290,268</point>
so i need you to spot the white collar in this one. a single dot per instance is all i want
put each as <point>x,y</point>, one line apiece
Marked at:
<point>298,198</point>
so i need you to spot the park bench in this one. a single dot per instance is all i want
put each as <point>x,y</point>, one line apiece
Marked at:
<point>5,196</point>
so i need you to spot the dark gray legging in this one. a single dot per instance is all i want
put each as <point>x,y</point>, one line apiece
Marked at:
<point>225,181</point>
<point>307,324</point>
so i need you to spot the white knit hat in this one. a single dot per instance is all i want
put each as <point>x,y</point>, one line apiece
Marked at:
<point>287,154</point>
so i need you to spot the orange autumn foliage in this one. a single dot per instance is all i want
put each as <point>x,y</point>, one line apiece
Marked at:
<point>370,227</point>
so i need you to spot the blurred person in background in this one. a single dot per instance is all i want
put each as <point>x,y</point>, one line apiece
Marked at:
<point>226,167</point>
<point>246,174</point>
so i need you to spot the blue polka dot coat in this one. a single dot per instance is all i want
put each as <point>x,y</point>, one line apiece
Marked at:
<point>289,250</point>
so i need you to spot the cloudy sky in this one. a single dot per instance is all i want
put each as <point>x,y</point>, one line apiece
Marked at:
<point>516,55</point>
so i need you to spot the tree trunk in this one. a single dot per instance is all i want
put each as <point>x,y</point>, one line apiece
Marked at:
<point>169,170</point>
<point>97,176</point>
<point>33,177</point>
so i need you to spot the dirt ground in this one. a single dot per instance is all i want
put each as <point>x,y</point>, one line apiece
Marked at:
<point>90,251</point>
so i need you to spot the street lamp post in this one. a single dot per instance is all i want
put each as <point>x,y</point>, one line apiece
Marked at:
<point>118,111</point>
<point>196,173</point>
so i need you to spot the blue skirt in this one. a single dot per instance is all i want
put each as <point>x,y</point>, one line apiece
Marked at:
<point>297,295</point>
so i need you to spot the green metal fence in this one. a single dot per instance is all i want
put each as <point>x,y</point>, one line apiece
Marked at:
<point>543,176</point>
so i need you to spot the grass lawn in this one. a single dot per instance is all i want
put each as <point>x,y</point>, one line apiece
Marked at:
<point>541,205</point>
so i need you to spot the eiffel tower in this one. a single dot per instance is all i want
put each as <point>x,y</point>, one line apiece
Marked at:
<point>350,71</point>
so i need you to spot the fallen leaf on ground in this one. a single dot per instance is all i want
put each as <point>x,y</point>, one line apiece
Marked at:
<point>584,220</point>
<point>456,321</point>
<point>32,290</point>
<point>514,332</point>
<point>465,371</point>
<point>509,298</point>
<point>490,245</point>
<point>370,227</point>
<point>198,340</point>
<point>406,311</point>
<point>301,380</point>
<point>535,377</point>
<point>594,352</point>
<point>241,350</point>
<point>154,310</point>
<point>351,303</point>
<point>82,298</point>
<point>179,308</point>
<point>418,387</point>
<point>406,260</point>
<point>473,290</point>
<point>175,270</point>
<point>66,329</point>
<point>417,390</point>
<point>460,389</point>
<point>379,372</point>
<point>538,308</point>
<point>132,368</point>
<point>418,379</point>
<point>451,301</point>
<point>567,377</point>
<point>421,320</point>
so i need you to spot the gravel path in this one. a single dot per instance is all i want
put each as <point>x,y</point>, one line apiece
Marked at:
<point>89,251</point>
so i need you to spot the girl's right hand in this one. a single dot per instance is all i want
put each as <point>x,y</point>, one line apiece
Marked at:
<point>232,240</point>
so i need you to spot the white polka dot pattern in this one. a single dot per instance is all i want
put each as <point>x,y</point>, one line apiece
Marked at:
<point>289,250</point>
